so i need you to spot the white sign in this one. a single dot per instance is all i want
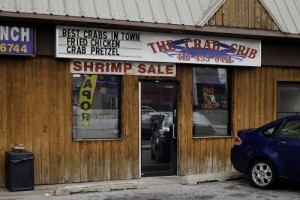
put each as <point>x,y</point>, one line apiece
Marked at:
<point>121,68</point>
<point>105,44</point>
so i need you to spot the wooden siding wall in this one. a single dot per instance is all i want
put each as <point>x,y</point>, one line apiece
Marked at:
<point>35,103</point>
<point>254,94</point>
<point>253,97</point>
<point>197,155</point>
<point>36,110</point>
<point>243,14</point>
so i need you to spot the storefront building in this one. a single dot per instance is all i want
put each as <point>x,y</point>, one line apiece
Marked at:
<point>99,99</point>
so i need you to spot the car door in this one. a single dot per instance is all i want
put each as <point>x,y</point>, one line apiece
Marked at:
<point>286,150</point>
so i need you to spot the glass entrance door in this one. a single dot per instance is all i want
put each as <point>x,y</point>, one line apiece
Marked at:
<point>158,128</point>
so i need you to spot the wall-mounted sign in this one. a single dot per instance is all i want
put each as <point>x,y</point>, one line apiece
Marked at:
<point>89,43</point>
<point>16,40</point>
<point>122,68</point>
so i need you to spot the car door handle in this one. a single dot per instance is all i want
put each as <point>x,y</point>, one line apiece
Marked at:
<point>281,142</point>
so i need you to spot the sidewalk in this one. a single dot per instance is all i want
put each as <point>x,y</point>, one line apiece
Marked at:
<point>142,183</point>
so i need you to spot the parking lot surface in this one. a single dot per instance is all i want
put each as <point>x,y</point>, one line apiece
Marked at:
<point>230,189</point>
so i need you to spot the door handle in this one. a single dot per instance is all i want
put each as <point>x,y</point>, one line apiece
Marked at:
<point>281,142</point>
<point>174,136</point>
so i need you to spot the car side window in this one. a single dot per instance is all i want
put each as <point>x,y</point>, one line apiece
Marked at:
<point>291,130</point>
<point>269,131</point>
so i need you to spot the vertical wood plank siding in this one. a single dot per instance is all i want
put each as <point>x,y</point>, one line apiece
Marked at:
<point>243,14</point>
<point>252,106</point>
<point>35,103</point>
<point>36,110</point>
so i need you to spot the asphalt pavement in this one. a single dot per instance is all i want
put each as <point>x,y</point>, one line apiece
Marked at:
<point>216,190</point>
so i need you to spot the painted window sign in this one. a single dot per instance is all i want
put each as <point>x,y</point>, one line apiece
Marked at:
<point>16,40</point>
<point>88,43</point>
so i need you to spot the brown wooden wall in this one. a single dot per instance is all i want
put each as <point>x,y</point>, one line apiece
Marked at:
<point>253,104</point>
<point>243,14</point>
<point>197,155</point>
<point>255,94</point>
<point>36,110</point>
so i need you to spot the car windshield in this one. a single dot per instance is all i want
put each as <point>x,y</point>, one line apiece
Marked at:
<point>146,109</point>
<point>168,121</point>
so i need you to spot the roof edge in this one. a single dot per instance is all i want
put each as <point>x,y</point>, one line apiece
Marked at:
<point>272,15</point>
<point>210,13</point>
<point>10,17</point>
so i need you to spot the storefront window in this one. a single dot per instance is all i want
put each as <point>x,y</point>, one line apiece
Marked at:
<point>288,99</point>
<point>210,102</point>
<point>96,113</point>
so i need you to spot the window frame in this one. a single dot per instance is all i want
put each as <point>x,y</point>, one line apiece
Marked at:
<point>229,106</point>
<point>277,82</point>
<point>120,135</point>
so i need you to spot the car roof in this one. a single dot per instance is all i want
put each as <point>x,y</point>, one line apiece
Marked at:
<point>290,117</point>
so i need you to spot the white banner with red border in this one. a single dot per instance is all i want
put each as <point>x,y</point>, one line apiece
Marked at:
<point>107,44</point>
<point>123,68</point>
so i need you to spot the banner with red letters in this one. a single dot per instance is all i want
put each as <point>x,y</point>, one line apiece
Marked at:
<point>123,68</point>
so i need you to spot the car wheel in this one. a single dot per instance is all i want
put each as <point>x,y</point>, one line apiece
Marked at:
<point>262,174</point>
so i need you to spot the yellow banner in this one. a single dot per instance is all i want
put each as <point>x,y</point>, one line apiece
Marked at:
<point>86,98</point>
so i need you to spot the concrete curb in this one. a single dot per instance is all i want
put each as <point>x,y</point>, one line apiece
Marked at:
<point>99,187</point>
<point>196,179</point>
<point>104,186</point>
<point>143,183</point>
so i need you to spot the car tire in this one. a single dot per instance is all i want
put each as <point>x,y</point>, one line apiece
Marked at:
<point>262,174</point>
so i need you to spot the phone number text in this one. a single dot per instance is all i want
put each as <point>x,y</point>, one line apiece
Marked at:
<point>205,58</point>
<point>13,48</point>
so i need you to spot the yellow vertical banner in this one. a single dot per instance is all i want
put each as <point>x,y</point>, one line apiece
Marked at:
<point>86,98</point>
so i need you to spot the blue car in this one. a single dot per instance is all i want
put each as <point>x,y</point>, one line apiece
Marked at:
<point>269,153</point>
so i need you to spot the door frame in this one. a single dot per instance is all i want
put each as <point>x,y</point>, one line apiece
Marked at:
<point>175,123</point>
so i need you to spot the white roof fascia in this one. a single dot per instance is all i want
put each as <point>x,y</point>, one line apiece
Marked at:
<point>145,10</point>
<point>57,7</point>
<point>103,10</point>
<point>159,12</point>
<point>131,10</point>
